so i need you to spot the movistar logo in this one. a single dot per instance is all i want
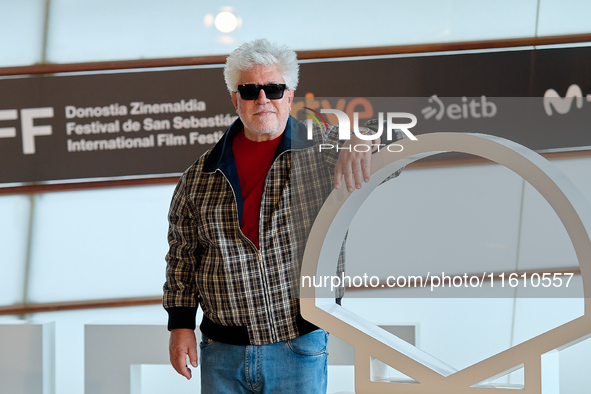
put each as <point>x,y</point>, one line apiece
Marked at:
<point>562,105</point>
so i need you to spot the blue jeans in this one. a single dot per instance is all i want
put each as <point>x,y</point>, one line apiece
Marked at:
<point>294,366</point>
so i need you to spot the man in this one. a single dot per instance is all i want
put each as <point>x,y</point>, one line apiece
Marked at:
<point>238,223</point>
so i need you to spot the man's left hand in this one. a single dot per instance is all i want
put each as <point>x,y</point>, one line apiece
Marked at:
<point>354,165</point>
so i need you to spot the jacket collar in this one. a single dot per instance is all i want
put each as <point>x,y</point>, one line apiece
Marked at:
<point>221,156</point>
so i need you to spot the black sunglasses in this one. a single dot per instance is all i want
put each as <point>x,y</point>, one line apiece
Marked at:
<point>251,91</point>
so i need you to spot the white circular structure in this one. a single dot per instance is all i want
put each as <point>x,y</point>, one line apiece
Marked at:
<point>329,230</point>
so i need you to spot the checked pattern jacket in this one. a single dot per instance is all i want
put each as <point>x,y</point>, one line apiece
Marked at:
<point>212,264</point>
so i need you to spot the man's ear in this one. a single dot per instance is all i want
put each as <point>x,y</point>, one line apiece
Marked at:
<point>235,101</point>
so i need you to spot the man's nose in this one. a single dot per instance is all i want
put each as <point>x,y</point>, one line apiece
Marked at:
<point>262,97</point>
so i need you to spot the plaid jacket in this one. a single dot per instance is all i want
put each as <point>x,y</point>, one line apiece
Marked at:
<point>210,261</point>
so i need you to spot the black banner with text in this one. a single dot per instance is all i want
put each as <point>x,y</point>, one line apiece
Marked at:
<point>155,122</point>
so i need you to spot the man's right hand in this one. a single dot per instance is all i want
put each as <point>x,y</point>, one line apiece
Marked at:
<point>183,343</point>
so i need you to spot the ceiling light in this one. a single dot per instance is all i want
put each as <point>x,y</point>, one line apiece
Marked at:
<point>226,22</point>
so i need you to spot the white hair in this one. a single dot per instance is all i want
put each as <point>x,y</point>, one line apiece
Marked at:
<point>261,53</point>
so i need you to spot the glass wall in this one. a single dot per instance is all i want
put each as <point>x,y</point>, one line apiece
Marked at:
<point>22,32</point>
<point>14,230</point>
<point>70,31</point>
<point>100,244</point>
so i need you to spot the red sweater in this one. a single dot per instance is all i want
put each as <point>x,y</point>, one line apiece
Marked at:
<point>253,161</point>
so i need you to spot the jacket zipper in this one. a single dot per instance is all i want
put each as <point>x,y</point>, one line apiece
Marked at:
<point>263,269</point>
<point>259,259</point>
<point>258,252</point>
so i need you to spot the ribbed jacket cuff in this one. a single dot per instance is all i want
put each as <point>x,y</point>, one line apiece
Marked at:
<point>181,317</point>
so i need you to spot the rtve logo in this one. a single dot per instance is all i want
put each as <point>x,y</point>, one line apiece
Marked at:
<point>563,105</point>
<point>475,108</point>
<point>28,129</point>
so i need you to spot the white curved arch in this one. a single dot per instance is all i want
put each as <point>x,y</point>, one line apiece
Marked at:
<point>331,225</point>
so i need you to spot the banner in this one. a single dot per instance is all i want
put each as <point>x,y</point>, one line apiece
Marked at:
<point>138,123</point>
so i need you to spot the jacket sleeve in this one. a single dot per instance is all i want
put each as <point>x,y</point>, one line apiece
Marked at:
<point>180,293</point>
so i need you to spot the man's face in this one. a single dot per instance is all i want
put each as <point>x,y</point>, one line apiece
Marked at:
<point>263,119</point>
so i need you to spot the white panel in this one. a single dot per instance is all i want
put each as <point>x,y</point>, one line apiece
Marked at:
<point>559,17</point>
<point>14,225</point>
<point>111,349</point>
<point>99,244</point>
<point>455,220</point>
<point>551,372</point>
<point>21,32</point>
<point>341,379</point>
<point>69,338</point>
<point>27,358</point>
<point>111,29</point>
<point>544,240</point>
<point>459,332</point>
<point>158,379</point>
